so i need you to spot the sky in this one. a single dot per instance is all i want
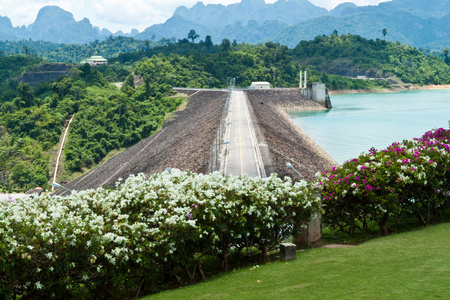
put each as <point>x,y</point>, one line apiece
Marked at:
<point>124,15</point>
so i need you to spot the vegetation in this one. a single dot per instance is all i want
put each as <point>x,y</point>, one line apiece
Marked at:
<point>352,55</point>
<point>378,269</point>
<point>186,64</point>
<point>75,53</point>
<point>32,118</point>
<point>135,239</point>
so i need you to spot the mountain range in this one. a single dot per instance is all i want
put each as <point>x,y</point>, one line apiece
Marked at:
<point>415,22</point>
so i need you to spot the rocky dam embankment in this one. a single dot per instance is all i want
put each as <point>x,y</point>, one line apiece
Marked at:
<point>181,142</point>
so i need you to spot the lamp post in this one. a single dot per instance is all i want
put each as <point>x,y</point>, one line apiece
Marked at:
<point>290,166</point>
<point>56,185</point>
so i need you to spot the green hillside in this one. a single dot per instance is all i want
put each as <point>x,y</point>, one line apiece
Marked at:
<point>106,119</point>
<point>352,55</point>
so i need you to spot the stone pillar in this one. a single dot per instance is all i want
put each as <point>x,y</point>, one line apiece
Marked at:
<point>311,236</point>
<point>288,251</point>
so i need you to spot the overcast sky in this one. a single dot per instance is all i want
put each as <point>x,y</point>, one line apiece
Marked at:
<point>123,15</point>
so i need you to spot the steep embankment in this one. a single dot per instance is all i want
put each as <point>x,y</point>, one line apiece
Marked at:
<point>178,145</point>
<point>181,142</point>
<point>285,140</point>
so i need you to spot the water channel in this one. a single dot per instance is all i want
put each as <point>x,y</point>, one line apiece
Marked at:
<point>358,122</point>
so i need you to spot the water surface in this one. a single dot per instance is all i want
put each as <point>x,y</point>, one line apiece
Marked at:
<point>358,122</point>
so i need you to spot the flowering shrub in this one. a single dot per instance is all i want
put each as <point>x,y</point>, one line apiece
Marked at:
<point>409,177</point>
<point>109,243</point>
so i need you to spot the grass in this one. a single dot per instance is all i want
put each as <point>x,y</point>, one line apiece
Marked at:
<point>170,116</point>
<point>412,265</point>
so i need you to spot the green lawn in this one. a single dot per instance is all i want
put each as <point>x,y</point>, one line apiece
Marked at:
<point>413,265</point>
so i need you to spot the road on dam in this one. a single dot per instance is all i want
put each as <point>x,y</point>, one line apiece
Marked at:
<point>242,154</point>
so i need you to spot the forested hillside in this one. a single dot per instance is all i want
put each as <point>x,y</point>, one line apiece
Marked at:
<point>106,118</point>
<point>352,55</point>
<point>187,64</point>
<point>74,53</point>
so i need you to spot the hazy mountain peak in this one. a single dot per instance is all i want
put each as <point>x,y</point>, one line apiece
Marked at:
<point>343,8</point>
<point>5,23</point>
<point>54,14</point>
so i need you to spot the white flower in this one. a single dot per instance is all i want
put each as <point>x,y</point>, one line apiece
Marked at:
<point>39,286</point>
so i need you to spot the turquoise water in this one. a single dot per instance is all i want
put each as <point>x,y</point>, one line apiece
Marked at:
<point>358,122</point>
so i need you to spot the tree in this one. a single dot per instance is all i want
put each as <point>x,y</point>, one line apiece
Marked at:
<point>445,52</point>
<point>192,35</point>
<point>208,42</point>
<point>226,45</point>
<point>26,94</point>
<point>384,32</point>
<point>147,44</point>
<point>335,32</point>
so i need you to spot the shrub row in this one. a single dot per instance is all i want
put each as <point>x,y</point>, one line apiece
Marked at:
<point>408,178</point>
<point>114,243</point>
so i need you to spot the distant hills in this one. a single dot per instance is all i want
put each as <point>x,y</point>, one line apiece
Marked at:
<point>416,22</point>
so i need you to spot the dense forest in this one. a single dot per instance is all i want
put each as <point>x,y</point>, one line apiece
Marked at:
<point>74,53</point>
<point>107,118</point>
<point>204,65</point>
<point>352,55</point>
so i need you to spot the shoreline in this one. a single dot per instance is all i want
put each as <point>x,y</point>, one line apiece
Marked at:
<point>392,90</point>
<point>310,142</point>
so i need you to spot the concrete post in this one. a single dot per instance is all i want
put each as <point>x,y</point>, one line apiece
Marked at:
<point>288,251</point>
<point>301,85</point>
<point>306,79</point>
<point>311,236</point>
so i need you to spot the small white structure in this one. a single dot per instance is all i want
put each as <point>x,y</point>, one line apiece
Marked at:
<point>260,85</point>
<point>95,61</point>
<point>363,77</point>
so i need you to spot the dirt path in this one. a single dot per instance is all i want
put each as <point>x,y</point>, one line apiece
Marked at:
<point>61,147</point>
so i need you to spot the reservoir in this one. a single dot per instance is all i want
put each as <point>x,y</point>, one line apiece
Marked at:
<point>358,122</point>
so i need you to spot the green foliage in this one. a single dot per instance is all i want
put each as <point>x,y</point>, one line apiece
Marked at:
<point>352,55</point>
<point>32,119</point>
<point>74,53</point>
<point>108,119</point>
<point>192,35</point>
<point>11,67</point>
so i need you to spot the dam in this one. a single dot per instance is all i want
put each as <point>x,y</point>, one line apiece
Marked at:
<point>181,142</point>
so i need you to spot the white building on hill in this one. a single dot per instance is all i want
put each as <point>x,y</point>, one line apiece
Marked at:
<point>260,85</point>
<point>95,61</point>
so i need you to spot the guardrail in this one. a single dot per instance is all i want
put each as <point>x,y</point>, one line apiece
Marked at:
<point>217,153</point>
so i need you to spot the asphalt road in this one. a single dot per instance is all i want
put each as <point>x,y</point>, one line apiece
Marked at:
<point>241,157</point>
